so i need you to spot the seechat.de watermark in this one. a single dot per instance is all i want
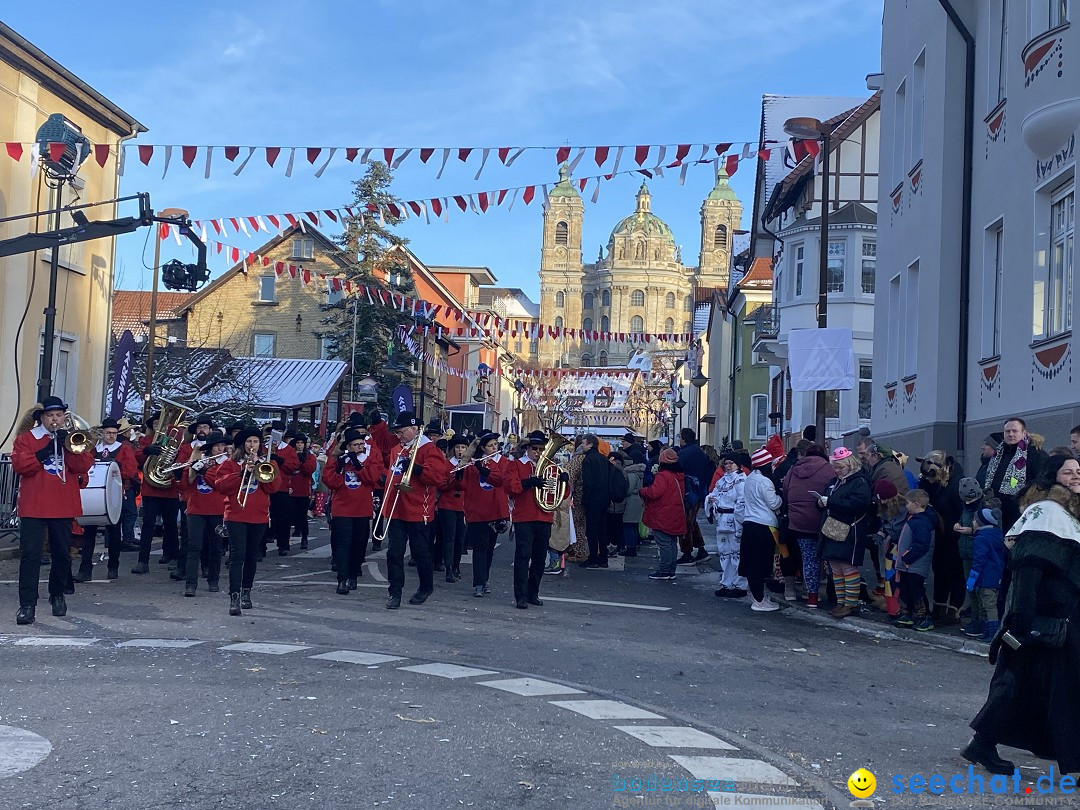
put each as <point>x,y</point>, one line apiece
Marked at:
<point>972,783</point>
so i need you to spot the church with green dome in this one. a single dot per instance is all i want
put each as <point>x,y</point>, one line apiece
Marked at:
<point>638,283</point>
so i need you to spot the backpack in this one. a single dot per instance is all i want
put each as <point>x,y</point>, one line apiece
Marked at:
<point>618,486</point>
<point>692,497</point>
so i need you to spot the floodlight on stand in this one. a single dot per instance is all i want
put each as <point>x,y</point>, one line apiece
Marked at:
<point>177,275</point>
<point>58,130</point>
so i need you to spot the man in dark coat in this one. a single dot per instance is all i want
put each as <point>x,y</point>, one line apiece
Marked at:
<point>1013,465</point>
<point>595,498</point>
<point>989,447</point>
<point>698,471</point>
<point>940,478</point>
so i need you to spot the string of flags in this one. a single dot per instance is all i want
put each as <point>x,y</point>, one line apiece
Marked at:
<point>238,158</point>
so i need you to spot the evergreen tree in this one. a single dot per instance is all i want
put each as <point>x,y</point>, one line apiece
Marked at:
<point>370,243</point>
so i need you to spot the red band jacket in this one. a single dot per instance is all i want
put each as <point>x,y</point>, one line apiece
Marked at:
<point>418,504</point>
<point>353,486</point>
<point>148,489</point>
<point>43,493</point>
<point>225,478</point>
<point>124,456</point>
<point>525,507</point>
<point>300,482</point>
<point>485,496</point>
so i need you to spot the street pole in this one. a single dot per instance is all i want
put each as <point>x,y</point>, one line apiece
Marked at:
<point>45,378</point>
<point>423,378</point>
<point>823,275</point>
<point>148,393</point>
<point>352,362</point>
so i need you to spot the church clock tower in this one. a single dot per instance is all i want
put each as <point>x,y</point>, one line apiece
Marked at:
<point>721,213</point>
<point>560,265</point>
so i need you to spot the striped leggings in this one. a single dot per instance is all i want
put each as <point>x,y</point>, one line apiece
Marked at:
<point>846,581</point>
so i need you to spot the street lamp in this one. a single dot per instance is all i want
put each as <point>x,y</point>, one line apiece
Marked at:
<point>812,129</point>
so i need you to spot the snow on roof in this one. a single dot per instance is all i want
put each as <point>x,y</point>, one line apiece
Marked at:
<point>292,383</point>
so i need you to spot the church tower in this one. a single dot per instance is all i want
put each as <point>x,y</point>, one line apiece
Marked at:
<point>560,264</point>
<point>721,214</point>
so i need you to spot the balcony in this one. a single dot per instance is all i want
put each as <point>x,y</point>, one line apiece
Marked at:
<point>765,321</point>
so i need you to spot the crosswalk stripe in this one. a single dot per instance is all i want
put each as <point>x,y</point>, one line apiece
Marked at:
<point>265,648</point>
<point>731,769</point>
<point>167,643</point>
<point>676,737</point>
<point>448,670</point>
<point>55,641</point>
<point>352,657</point>
<point>602,603</point>
<point>531,687</point>
<point>372,568</point>
<point>607,710</point>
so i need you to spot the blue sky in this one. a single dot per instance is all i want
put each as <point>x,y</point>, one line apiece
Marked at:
<point>430,73</point>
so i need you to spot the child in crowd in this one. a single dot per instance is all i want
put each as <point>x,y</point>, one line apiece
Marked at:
<point>987,566</point>
<point>914,551</point>
<point>725,497</point>
<point>972,496</point>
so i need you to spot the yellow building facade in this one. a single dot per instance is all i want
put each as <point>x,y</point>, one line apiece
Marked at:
<point>638,284</point>
<point>32,87</point>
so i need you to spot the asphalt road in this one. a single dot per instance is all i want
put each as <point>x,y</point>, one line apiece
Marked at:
<point>782,705</point>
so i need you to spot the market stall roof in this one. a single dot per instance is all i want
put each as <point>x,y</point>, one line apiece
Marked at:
<point>291,383</point>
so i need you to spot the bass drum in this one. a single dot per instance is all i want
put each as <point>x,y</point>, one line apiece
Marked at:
<point>103,497</point>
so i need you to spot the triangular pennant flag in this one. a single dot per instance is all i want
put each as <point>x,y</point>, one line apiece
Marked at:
<point>765,154</point>
<point>812,147</point>
<point>504,151</point>
<point>388,155</point>
<point>272,153</point>
<point>274,220</point>
<point>146,151</point>
<point>436,206</point>
<point>101,154</point>
<point>351,152</point>
<point>231,152</point>
<point>641,154</point>
<point>528,194</point>
<point>561,154</point>
<point>482,199</point>
<point>720,148</point>
<point>15,151</point>
<point>600,155</point>
<point>461,202</point>
<point>187,154</point>
<point>292,220</point>
<point>313,153</point>
<point>331,213</point>
<point>426,153</point>
<point>731,165</point>
<point>681,151</point>
<point>463,154</point>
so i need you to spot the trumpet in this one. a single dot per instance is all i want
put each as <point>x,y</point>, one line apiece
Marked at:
<point>264,472</point>
<point>404,485</point>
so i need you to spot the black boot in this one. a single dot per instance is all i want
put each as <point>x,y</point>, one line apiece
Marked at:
<point>983,752</point>
<point>83,575</point>
<point>114,573</point>
<point>25,614</point>
<point>351,583</point>
<point>189,590</point>
<point>234,604</point>
<point>343,587</point>
<point>245,598</point>
<point>59,605</point>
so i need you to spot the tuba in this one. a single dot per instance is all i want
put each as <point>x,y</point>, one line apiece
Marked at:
<point>78,433</point>
<point>554,490</point>
<point>168,435</point>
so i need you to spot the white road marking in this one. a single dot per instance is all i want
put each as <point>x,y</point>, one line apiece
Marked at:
<point>448,670</point>
<point>320,553</point>
<point>268,649</point>
<point>531,687</point>
<point>731,769</point>
<point>606,710</point>
<point>603,604</point>
<point>760,800</point>
<point>676,737</point>
<point>372,568</point>
<point>350,657</point>
<point>322,582</point>
<point>309,574</point>
<point>177,643</point>
<point>55,641</point>
<point>21,750</point>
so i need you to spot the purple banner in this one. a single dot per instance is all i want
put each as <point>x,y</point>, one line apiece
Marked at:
<point>402,399</point>
<point>123,371</point>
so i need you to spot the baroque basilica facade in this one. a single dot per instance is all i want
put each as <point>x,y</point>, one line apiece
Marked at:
<point>638,283</point>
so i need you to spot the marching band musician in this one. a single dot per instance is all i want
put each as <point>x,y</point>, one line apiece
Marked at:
<point>246,520</point>
<point>108,448</point>
<point>156,502</point>
<point>385,442</point>
<point>284,455</point>
<point>300,486</point>
<point>351,476</point>
<point>410,511</point>
<point>452,513</point>
<point>49,500</point>
<point>486,506</point>
<point>198,430</point>
<point>532,525</point>
<point>205,513</point>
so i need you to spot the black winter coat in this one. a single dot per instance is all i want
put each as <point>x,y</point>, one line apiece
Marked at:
<point>1033,702</point>
<point>850,501</point>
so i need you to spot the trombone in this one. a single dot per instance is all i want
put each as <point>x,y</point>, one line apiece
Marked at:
<point>404,485</point>
<point>262,472</point>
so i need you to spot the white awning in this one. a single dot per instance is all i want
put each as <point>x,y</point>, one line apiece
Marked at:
<point>280,382</point>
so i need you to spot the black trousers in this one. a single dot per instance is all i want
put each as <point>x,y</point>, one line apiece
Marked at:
<point>482,538</point>
<point>596,532</point>
<point>452,531</point>
<point>204,547</point>
<point>168,509</point>
<point>245,543</point>
<point>348,541</point>
<point>530,557</point>
<point>413,534</point>
<point>31,544</point>
<point>950,586</point>
<point>300,504</point>
<point>913,592</point>
<point>89,540</point>
<point>280,519</point>
<point>129,515</point>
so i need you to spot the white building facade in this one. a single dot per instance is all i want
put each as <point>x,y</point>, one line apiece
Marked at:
<point>976,313</point>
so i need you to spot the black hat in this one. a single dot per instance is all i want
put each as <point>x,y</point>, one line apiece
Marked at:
<point>291,433</point>
<point>215,437</point>
<point>108,422</point>
<point>536,437</point>
<point>441,444</point>
<point>356,418</point>
<point>629,437</point>
<point>351,435</point>
<point>457,440</point>
<point>406,419</point>
<point>301,437</point>
<point>434,426</point>
<point>52,404</point>
<point>656,445</point>
<point>485,437</point>
<point>277,424</point>
<point>151,419</point>
<point>244,435</point>
<point>203,419</point>
<point>229,428</point>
